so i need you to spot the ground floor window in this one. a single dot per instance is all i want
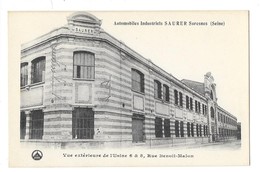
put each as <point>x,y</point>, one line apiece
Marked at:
<point>197,130</point>
<point>167,128</point>
<point>158,127</point>
<point>192,129</point>
<point>188,129</point>
<point>22,125</point>
<point>177,128</point>
<point>182,129</point>
<point>82,123</point>
<point>36,124</point>
<point>200,131</point>
<point>204,130</point>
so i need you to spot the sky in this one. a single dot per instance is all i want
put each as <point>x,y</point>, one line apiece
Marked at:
<point>187,52</point>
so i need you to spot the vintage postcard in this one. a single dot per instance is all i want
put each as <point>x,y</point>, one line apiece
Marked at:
<point>153,88</point>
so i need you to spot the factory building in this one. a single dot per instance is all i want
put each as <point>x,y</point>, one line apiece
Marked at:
<point>81,87</point>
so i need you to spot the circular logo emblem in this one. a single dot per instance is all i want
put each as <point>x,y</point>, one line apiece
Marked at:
<point>37,155</point>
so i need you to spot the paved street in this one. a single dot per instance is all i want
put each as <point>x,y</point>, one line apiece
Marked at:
<point>228,145</point>
<point>231,145</point>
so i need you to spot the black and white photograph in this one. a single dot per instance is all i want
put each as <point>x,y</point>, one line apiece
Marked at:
<point>129,88</point>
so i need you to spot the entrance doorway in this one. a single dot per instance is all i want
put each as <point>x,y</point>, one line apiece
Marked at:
<point>138,128</point>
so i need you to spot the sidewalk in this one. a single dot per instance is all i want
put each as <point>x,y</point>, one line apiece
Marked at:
<point>227,144</point>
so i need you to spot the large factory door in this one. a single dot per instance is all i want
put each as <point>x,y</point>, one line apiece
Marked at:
<point>137,129</point>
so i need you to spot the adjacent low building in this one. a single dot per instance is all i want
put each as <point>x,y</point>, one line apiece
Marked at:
<point>81,87</point>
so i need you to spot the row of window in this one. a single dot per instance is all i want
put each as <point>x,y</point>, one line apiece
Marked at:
<point>82,124</point>
<point>83,68</point>
<point>179,129</point>
<point>161,91</point>
<point>158,91</point>
<point>225,119</point>
<point>227,132</point>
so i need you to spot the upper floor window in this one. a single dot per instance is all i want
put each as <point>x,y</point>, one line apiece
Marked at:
<point>157,89</point>
<point>38,70</point>
<point>212,113</point>
<point>211,94</point>
<point>187,102</point>
<point>84,65</point>
<point>176,97</point>
<point>196,106</point>
<point>137,81</point>
<point>191,104</point>
<point>199,107</point>
<point>24,74</point>
<point>166,94</point>
<point>180,95</point>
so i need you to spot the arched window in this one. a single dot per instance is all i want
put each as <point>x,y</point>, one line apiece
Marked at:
<point>24,74</point>
<point>83,65</point>
<point>157,89</point>
<point>38,70</point>
<point>137,81</point>
<point>212,114</point>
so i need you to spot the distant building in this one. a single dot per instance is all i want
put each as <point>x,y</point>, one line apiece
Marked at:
<point>82,87</point>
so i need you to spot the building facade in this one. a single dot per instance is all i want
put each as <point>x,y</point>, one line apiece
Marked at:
<point>82,87</point>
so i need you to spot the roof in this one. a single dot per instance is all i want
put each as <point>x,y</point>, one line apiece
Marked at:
<point>196,86</point>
